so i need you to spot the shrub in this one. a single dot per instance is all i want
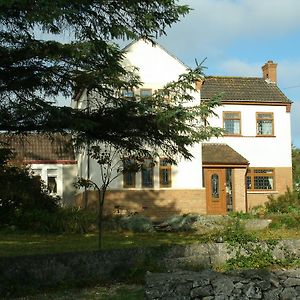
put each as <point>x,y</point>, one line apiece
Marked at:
<point>20,192</point>
<point>285,220</point>
<point>242,215</point>
<point>64,220</point>
<point>248,254</point>
<point>285,203</point>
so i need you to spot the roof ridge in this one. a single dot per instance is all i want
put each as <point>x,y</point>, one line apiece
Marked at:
<point>236,77</point>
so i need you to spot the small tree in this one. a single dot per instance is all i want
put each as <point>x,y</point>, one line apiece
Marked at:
<point>112,163</point>
<point>177,124</point>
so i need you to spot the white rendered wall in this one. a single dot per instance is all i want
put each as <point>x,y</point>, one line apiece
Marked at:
<point>187,174</point>
<point>65,177</point>
<point>259,151</point>
<point>156,68</point>
<point>53,168</point>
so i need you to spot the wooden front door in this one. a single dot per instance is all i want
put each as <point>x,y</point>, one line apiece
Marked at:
<point>215,184</point>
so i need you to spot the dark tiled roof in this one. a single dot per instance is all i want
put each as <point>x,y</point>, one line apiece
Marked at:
<point>34,147</point>
<point>252,89</point>
<point>221,154</point>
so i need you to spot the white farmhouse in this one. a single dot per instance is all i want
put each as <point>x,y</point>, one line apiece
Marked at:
<point>233,173</point>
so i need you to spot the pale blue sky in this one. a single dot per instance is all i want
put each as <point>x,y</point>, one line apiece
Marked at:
<point>238,37</point>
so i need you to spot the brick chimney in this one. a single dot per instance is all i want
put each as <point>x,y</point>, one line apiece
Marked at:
<point>269,71</point>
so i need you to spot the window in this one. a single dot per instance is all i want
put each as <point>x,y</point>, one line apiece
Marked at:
<point>129,174</point>
<point>52,185</point>
<point>264,123</point>
<point>52,181</point>
<point>145,92</point>
<point>260,179</point>
<point>165,173</point>
<point>232,122</point>
<point>215,186</point>
<point>147,173</point>
<point>127,93</point>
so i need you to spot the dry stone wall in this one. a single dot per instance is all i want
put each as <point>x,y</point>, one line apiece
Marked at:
<point>211,285</point>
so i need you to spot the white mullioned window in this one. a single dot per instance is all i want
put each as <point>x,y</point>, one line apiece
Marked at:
<point>264,124</point>
<point>232,122</point>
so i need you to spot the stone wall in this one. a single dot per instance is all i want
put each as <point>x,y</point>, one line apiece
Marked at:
<point>211,285</point>
<point>48,271</point>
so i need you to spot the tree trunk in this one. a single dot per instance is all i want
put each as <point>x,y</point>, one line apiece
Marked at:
<point>101,197</point>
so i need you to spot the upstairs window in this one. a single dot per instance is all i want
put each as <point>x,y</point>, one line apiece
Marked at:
<point>147,173</point>
<point>232,122</point>
<point>260,179</point>
<point>165,173</point>
<point>264,124</point>
<point>129,174</point>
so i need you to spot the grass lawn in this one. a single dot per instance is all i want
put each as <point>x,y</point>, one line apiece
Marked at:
<point>113,292</point>
<point>14,244</point>
<point>18,243</point>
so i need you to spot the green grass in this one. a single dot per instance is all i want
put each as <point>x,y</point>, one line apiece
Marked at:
<point>25,243</point>
<point>112,292</point>
<point>14,244</point>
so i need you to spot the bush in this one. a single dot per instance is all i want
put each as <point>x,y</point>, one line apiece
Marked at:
<point>285,220</point>
<point>242,215</point>
<point>136,223</point>
<point>285,203</point>
<point>20,192</point>
<point>64,220</point>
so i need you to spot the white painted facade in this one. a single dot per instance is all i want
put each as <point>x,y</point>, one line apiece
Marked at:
<point>156,67</point>
<point>273,151</point>
<point>62,174</point>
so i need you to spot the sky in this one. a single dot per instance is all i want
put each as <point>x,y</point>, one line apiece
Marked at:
<point>237,37</point>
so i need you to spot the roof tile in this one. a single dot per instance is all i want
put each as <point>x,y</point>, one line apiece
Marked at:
<point>252,89</point>
<point>222,154</point>
<point>40,147</point>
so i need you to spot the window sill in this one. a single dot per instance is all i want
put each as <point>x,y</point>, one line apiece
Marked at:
<point>262,192</point>
<point>267,136</point>
<point>232,135</point>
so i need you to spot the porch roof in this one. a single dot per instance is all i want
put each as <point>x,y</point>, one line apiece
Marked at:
<point>221,154</point>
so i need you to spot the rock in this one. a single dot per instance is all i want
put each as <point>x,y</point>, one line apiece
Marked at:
<point>272,294</point>
<point>203,291</point>
<point>274,281</point>
<point>253,291</point>
<point>264,285</point>
<point>292,282</point>
<point>223,286</point>
<point>257,224</point>
<point>200,282</point>
<point>288,294</point>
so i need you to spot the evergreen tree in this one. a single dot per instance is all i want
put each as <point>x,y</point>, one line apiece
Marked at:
<point>34,71</point>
